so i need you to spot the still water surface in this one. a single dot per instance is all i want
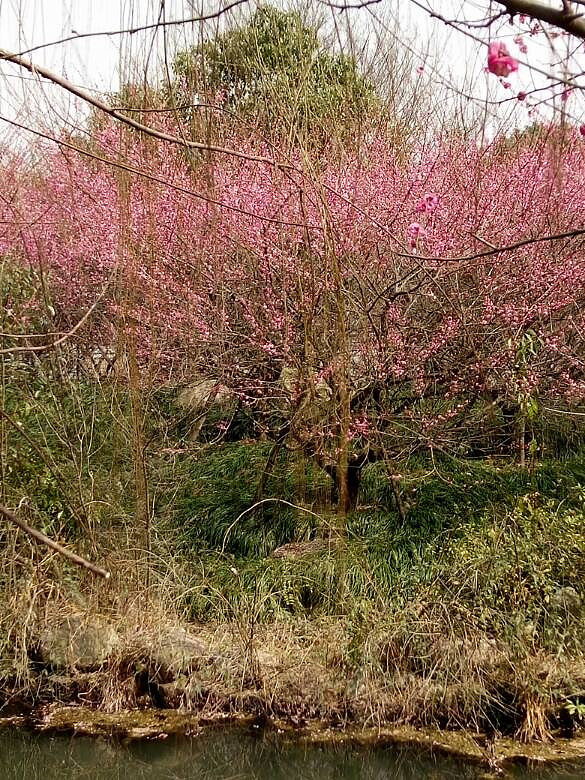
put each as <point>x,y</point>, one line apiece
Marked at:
<point>226,755</point>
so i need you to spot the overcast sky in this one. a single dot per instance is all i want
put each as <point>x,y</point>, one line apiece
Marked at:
<point>448,57</point>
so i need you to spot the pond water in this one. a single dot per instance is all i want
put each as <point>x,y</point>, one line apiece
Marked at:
<point>226,755</point>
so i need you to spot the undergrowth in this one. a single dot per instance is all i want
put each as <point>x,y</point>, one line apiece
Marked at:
<point>468,611</point>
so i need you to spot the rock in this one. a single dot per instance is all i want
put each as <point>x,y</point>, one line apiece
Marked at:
<point>78,642</point>
<point>182,693</point>
<point>172,694</point>
<point>566,600</point>
<point>146,732</point>
<point>304,549</point>
<point>174,652</point>
<point>203,393</point>
<point>201,396</point>
<point>315,388</point>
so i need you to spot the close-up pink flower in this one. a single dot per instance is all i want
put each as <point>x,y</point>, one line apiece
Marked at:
<point>428,203</point>
<point>500,61</point>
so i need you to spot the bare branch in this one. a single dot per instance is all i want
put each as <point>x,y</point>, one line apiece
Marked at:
<point>460,27</point>
<point>40,537</point>
<point>84,95</point>
<point>573,23</point>
<point>64,337</point>
<point>138,28</point>
<point>349,6</point>
<point>496,250</point>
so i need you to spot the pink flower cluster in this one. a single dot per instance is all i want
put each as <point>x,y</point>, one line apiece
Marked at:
<point>229,288</point>
<point>415,232</point>
<point>519,41</point>
<point>428,203</point>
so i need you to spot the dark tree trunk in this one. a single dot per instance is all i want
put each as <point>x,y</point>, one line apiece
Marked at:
<point>353,478</point>
<point>395,482</point>
<point>267,472</point>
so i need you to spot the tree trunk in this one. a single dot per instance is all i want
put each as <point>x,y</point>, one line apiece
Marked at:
<point>395,482</point>
<point>270,461</point>
<point>346,487</point>
<point>522,441</point>
<point>509,431</point>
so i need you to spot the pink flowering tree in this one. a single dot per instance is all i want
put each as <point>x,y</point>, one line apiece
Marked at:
<point>358,311</point>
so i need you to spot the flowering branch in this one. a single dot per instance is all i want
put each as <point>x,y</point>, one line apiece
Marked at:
<point>496,250</point>
<point>159,180</point>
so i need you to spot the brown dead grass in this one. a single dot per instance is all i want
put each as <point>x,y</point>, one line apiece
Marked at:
<point>418,668</point>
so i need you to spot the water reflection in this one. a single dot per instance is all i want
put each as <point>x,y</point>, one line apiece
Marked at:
<point>224,755</point>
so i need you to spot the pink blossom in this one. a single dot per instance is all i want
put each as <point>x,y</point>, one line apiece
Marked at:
<point>500,61</point>
<point>519,41</point>
<point>177,263</point>
<point>521,96</point>
<point>415,231</point>
<point>428,203</point>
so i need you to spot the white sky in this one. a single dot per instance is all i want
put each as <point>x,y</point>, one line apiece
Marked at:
<point>97,62</point>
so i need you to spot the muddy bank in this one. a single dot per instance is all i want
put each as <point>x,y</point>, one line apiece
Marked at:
<point>495,754</point>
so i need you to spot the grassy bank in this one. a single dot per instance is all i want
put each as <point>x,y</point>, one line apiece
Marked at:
<point>468,614</point>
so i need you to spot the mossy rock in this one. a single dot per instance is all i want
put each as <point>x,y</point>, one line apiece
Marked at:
<point>78,642</point>
<point>171,653</point>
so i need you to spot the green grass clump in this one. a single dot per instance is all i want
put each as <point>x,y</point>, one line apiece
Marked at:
<point>328,583</point>
<point>221,485</point>
<point>500,545</point>
<point>67,450</point>
<point>522,575</point>
<point>454,492</point>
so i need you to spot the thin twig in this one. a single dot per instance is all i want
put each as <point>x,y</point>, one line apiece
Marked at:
<point>39,70</point>
<point>75,36</point>
<point>497,249</point>
<point>265,501</point>
<point>64,337</point>
<point>564,411</point>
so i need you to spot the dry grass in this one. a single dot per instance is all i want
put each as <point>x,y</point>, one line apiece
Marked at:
<point>299,669</point>
<point>425,662</point>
